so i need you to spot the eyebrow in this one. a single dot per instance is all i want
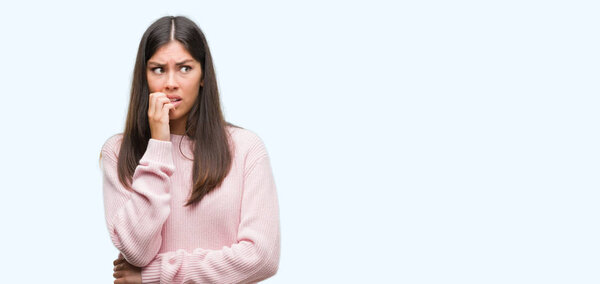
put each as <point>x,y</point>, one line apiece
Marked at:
<point>178,63</point>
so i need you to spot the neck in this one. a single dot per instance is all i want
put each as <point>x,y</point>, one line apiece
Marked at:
<point>177,126</point>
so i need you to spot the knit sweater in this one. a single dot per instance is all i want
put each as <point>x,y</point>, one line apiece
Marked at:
<point>231,236</point>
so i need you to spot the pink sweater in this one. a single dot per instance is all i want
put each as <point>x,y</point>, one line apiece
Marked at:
<point>232,236</point>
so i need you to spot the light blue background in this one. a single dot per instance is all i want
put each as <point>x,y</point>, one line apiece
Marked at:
<point>411,141</point>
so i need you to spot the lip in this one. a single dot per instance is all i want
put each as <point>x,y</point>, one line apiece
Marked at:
<point>174,97</point>
<point>176,103</point>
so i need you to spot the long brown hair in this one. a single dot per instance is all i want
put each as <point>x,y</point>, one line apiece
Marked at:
<point>205,124</point>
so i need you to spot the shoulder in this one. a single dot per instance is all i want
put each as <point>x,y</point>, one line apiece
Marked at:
<point>248,144</point>
<point>244,138</point>
<point>112,145</point>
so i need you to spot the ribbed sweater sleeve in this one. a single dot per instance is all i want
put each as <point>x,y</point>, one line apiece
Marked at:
<point>135,218</point>
<point>255,255</point>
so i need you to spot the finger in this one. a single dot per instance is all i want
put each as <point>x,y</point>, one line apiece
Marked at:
<point>167,108</point>
<point>124,266</point>
<point>118,260</point>
<point>154,105</point>
<point>164,102</point>
<point>160,102</point>
<point>151,105</point>
<point>118,274</point>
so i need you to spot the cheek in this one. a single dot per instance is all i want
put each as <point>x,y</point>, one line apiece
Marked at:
<point>153,85</point>
<point>190,87</point>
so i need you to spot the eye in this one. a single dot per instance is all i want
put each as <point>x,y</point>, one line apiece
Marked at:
<point>186,69</point>
<point>155,70</point>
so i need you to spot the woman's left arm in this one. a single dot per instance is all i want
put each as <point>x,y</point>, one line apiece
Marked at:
<point>253,258</point>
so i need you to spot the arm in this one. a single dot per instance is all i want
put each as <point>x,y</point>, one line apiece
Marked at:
<point>254,257</point>
<point>135,219</point>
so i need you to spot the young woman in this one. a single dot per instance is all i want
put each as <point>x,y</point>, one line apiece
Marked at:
<point>188,197</point>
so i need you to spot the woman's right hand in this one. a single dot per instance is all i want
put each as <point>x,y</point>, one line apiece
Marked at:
<point>158,116</point>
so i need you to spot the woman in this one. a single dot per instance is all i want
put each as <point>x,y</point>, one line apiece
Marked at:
<point>188,197</point>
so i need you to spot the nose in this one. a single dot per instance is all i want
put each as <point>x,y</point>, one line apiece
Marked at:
<point>171,83</point>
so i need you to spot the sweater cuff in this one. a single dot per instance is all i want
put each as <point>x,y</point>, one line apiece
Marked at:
<point>151,272</point>
<point>159,151</point>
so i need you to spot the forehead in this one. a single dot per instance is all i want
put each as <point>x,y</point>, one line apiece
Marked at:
<point>173,51</point>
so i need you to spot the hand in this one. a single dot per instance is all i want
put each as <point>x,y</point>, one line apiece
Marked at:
<point>158,116</point>
<point>125,273</point>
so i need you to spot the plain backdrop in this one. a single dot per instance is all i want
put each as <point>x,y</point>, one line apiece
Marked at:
<point>411,141</point>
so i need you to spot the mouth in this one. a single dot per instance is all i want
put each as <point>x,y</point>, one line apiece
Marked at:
<point>175,102</point>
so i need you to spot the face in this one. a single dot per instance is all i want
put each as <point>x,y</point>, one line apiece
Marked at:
<point>172,70</point>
